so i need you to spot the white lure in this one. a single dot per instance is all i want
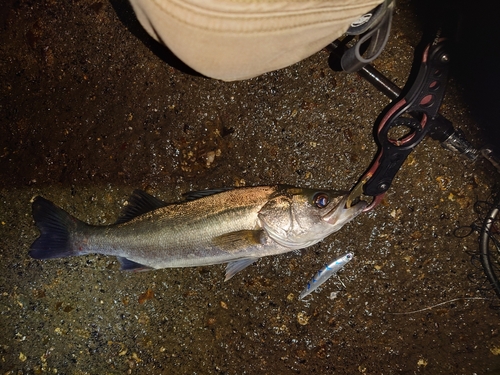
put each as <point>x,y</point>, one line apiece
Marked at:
<point>325,273</point>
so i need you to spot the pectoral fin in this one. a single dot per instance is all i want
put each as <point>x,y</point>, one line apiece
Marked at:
<point>236,266</point>
<point>238,241</point>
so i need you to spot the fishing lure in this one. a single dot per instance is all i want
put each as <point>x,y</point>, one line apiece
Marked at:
<point>325,273</point>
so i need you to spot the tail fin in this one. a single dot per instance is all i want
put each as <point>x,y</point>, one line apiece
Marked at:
<point>56,226</point>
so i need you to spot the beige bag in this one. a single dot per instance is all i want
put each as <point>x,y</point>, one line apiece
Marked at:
<point>240,39</point>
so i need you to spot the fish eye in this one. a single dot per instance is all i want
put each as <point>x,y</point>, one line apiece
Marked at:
<point>321,200</point>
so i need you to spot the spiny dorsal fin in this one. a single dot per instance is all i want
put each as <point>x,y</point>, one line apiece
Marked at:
<point>193,195</point>
<point>139,203</point>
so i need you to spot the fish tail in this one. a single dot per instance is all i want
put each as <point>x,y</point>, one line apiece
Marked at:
<point>55,226</point>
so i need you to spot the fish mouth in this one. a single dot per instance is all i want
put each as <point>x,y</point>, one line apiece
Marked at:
<point>341,214</point>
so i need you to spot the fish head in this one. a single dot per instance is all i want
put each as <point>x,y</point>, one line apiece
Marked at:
<point>298,218</point>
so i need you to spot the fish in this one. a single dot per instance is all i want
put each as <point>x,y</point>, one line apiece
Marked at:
<point>236,226</point>
<point>325,273</point>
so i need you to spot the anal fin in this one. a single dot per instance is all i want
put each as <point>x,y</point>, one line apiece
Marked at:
<point>130,265</point>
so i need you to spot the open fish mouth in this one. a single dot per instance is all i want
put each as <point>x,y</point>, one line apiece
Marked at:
<point>341,214</point>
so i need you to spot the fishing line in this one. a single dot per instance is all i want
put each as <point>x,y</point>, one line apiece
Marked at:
<point>439,304</point>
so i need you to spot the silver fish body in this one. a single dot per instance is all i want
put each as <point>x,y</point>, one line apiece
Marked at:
<point>235,226</point>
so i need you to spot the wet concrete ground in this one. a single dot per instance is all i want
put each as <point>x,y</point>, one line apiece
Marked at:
<point>90,110</point>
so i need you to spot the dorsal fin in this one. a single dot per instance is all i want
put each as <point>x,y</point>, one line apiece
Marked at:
<point>139,203</point>
<point>193,195</point>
